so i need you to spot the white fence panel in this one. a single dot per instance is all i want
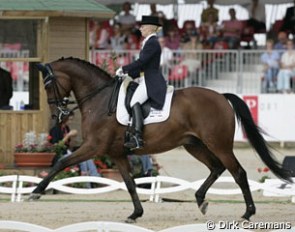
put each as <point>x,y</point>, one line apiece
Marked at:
<point>159,185</point>
<point>115,227</point>
<point>10,190</point>
<point>23,226</point>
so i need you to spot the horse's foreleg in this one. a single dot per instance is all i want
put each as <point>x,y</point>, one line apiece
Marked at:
<point>125,170</point>
<point>75,158</point>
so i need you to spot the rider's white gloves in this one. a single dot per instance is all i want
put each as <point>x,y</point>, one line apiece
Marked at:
<point>120,72</point>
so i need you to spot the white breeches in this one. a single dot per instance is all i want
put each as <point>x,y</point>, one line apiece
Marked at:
<point>140,94</point>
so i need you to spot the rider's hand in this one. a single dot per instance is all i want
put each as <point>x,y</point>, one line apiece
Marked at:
<point>120,72</point>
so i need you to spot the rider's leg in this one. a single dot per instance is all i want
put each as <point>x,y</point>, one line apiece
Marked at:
<point>139,97</point>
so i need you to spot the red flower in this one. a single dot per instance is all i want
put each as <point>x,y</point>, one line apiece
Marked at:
<point>266,169</point>
<point>68,169</point>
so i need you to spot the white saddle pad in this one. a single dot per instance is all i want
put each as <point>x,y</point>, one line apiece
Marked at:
<point>154,116</point>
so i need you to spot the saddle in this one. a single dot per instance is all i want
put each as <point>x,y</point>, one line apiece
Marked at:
<point>150,114</point>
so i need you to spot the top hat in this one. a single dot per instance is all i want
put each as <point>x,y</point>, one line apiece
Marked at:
<point>150,20</point>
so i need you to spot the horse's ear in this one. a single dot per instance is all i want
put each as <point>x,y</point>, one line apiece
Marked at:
<point>41,67</point>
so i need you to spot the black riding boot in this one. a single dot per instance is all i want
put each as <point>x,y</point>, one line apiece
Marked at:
<point>135,140</point>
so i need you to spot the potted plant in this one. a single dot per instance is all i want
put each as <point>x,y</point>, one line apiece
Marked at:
<point>106,167</point>
<point>36,151</point>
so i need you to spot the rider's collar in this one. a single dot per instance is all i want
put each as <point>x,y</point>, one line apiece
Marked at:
<point>146,39</point>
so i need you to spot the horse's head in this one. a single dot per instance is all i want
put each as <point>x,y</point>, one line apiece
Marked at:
<point>58,87</point>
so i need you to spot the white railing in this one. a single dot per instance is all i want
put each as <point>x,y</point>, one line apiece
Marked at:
<point>235,71</point>
<point>159,185</point>
<point>101,226</point>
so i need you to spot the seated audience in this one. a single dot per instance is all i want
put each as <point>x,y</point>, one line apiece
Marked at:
<point>232,30</point>
<point>270,60</point>
<point>287,68</point>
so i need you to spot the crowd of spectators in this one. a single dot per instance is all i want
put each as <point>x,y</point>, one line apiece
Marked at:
<point>124,28</point>
<point>124,34</point>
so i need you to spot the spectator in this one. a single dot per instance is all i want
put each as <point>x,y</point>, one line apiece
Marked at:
<point>281,44</point>
<point>166,56</point>
<point>172,40</point>
<point>289,20</point>
<point>287,69</point>
<point>62,132</point>
<point>164,23</point>
<point>142,166</point>
<point>188,27</point>
<point>126,19</point>
<point>209,10</point>
<point>99,36</point>
<point>133,40</point>
<point>232,30</point>
<point>270,60</point>
<point>118,39</point>
<point>153,8</point>
<point>191,59</point>
<point>6,90</point>
<point>256,16</point>
<point>209,31</point>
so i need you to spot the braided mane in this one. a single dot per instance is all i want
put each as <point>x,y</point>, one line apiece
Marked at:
<point>92,66</point>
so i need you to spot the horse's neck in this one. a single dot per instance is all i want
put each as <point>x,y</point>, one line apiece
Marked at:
<point>91,88</point>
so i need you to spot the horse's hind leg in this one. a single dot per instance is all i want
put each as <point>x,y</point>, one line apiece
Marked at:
<point>216,169</point>
<point>239,174</point>
<point>125,170</point>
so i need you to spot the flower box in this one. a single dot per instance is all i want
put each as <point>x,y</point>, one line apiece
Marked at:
<point>111,173</point>
<point>27,159</point>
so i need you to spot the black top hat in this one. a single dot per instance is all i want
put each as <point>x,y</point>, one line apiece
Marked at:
<point>151,20</point>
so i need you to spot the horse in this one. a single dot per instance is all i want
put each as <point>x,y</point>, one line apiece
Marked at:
<point>200,120</point>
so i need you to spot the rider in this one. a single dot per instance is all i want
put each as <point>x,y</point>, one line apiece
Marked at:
<point>153,85</point>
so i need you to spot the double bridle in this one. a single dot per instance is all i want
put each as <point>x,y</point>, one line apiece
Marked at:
<point>63,102</point>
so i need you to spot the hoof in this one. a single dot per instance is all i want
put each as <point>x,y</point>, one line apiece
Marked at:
<point>34,197</point>
<point>243,220</point>
<point>130,220</point>
<point>203,207</point>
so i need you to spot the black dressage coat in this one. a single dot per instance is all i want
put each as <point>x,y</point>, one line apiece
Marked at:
<point>149,63</point>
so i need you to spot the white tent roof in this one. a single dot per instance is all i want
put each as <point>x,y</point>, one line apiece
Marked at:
<point>217,2</point>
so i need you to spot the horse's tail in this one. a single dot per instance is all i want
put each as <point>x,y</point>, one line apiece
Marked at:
<point>254,134</point>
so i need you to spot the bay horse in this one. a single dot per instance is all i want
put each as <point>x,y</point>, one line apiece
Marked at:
<point>201,120</point>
